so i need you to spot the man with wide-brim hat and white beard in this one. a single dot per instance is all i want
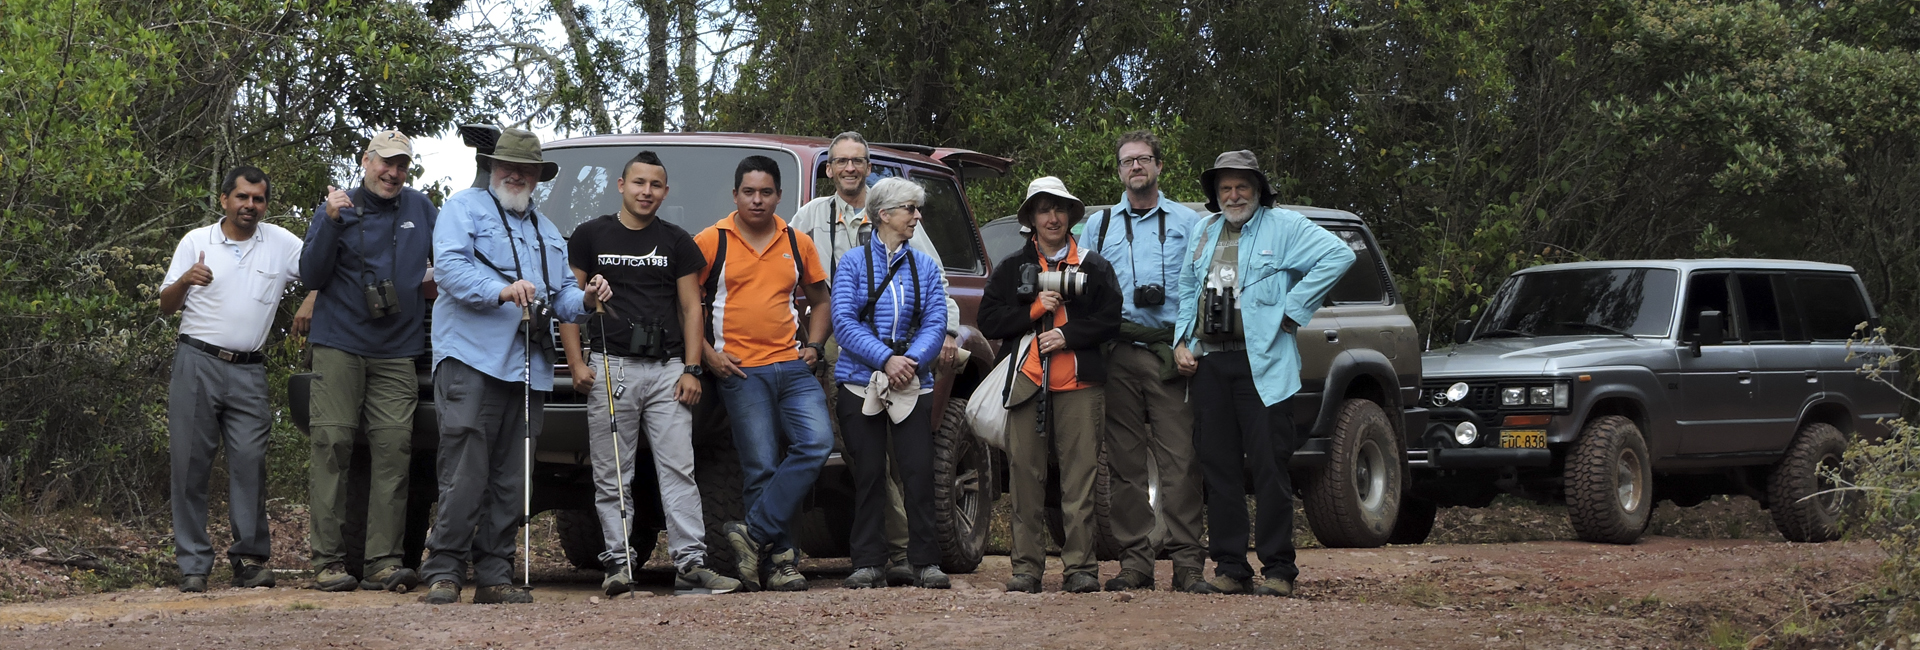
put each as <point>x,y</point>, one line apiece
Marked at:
<point>1254,274</point>
<point>494,256</point>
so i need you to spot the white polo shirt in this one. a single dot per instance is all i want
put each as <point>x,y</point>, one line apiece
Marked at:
<point>236,309</point>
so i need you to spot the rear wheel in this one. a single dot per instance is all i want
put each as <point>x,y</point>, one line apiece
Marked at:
<point>962,490</point>
<point>1609,482</point>
<point>1354,500</point>
<point>716,468</point>
<point>581,539</point>
<point>1798,493</point>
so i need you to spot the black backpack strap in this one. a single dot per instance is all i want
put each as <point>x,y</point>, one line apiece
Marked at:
<point>713,282</point>
<point>1106,219</point>
<point>799,269</point>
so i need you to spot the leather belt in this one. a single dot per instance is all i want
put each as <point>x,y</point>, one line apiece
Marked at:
<point>223,354</point>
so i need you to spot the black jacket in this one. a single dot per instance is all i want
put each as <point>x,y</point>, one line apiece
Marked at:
<point>1092,318</point>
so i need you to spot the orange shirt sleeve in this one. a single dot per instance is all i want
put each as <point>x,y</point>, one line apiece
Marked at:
<point>709,242</point>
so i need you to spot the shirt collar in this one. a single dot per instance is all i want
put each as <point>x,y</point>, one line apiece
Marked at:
<point>1126,205</point>
<point>219,234</point>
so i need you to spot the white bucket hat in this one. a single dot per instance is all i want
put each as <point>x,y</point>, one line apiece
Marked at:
<point>1051,185</point>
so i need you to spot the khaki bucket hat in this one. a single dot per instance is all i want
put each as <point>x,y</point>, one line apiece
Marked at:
<point>1054,186</point>
<point>522,146</point>
<point>1242,160</point>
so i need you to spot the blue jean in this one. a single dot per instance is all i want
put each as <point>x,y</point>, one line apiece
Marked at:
<point>776,401</point>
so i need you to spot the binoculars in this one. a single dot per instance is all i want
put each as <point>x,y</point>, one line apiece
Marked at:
<point>1218,307</point>
<point>537,325</point>
<point>382,299</point>
<point>648,340</point>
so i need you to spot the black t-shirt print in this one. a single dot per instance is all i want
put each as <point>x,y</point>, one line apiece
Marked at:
<point>642,266</point>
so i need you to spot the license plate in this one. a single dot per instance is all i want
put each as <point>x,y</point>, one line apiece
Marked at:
<point>1523,439</point>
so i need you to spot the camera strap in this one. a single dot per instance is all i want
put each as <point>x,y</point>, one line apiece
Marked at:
<point>366,265</point>
<point>873,292</point>
<point>539,243</point>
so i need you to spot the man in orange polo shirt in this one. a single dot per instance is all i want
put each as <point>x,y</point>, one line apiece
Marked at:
<point>754,263</point>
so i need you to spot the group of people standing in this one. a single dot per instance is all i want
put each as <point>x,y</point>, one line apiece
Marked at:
<point>1189,330</point>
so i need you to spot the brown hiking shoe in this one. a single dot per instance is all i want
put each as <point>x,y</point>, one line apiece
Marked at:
<point>443,592</point>
<point>1184,577</point>
<point>1273,587</point>
<point>334,577</point>
<point>1129,580</point>
<point>1220,585</point>
<point>397,579</point>
<point>250,572</point>
<point>502,595</point>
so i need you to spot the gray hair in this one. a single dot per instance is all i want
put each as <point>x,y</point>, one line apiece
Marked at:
<point>851,135</point>
<point>893,193</point>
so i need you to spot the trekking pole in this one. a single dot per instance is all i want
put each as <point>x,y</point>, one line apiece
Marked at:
<point>1043,411</point>
<point>526,433</point>
<point>619,472</point>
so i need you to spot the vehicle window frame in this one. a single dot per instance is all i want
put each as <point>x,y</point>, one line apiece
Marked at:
<point>1387,295</point>
<point>980,262</point>
<point>1674,321</point>
<point>1730,316</point>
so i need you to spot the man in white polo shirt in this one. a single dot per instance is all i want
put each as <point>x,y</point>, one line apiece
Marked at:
<point>226,280</point>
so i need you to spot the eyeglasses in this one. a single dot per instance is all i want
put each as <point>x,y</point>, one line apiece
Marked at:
<point>846,162</point>
<point>1143,161</point>
<point>908,207</point>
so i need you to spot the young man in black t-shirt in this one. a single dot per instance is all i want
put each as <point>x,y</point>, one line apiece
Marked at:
<point>641,338</point>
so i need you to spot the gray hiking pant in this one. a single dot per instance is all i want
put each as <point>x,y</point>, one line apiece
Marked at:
<point>211,402</point>
<point>647,403</point>
<point>482,456</point>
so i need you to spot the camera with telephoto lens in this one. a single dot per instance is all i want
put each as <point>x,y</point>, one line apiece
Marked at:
<point>382,299</point>
<point>1149,295</point>
<point>539,325</point>
<point>1069,284</point>
<point>648,340</point>
<point>1219,305</point>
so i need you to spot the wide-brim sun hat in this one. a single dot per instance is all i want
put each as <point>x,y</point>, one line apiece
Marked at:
<point>522,146</point>
<point>1242,160</point>
<point>1076,208</point>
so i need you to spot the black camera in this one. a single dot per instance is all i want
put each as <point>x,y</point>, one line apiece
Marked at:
<point>1069,283</point>
<point>1029,280</point>
<point>1149,295</point>
<point>1219,306</point>
<point>382,299</point>
<point>538,325</point>
<point>648,340</point>
<point>899,346</point>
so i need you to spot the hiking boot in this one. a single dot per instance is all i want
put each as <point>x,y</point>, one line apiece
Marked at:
<point>1024,583</point>
<point>1081,582</point>
<point>866,577</point>
<point>900,574</point>
<point>333,577</point>
<point>785,574</point>
<point>698,579</point>
<point>250,572</point>
<point>1129,580</point>
<point>502,595</point>
<point>1184,577</point>
<point>1219,585</point>
<point>443,592</point>
<point>618,581</point>
<point>1273,587</point>
<point>746,554</point>
<point>397,579</point>
<point>193,584</point>
<point>931,577</point>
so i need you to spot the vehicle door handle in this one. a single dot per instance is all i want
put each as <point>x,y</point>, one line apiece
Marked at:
<point>1746,376</point>
<point>1333,336</point>
<point>1813,376</point>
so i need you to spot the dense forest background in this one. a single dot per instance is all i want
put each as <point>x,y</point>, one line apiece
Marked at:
<point>1477,136</point>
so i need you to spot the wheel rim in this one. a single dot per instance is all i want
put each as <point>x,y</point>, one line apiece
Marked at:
<point>1628,480</point>
<point>966,487</point>
<point>1824,482</point>
<point>1370,477</point>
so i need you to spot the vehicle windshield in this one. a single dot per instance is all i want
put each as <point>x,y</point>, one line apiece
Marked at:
<point>699,183</point>
<point>1627,302</point>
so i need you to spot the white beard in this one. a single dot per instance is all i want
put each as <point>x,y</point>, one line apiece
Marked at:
<point>513,201</point>
<point>1239,219</point>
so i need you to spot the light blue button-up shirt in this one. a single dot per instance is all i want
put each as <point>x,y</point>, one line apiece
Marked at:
<point>1147,258</point>
<point>473,260</point>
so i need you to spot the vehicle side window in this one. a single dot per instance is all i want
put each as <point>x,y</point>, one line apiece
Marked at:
<point>949,225</point>
<point>1763,306</point>
<point>1706,292</point>
<point>1363,282</point>
<point>823,185</point>
<point>1833,305</point>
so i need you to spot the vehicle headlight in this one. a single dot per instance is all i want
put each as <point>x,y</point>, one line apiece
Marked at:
<point>1562,395</point>
<point>1513,397</point>
<point>1466,434</point>
<point>1457,392</point>
<point>1540,395</point>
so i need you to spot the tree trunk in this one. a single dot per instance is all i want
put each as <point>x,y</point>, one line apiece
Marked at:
<point>653,104</point>
<point>688,14</point>
<point>590,83</point>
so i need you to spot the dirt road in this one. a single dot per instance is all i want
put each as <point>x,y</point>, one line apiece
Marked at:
<point>1660,593</point>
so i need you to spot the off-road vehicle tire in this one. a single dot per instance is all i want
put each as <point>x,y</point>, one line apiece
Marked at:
<point>1106,547</point>
<point>1609,482</point>
<point>716,469</point>
<point>1415,522</point>
<point>1354,500</point>
<point>1811,460</point>
<point>962,490</point>
<point>581,540</point>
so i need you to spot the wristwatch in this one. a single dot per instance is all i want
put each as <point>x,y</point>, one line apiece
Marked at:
<point>818,348</point>
<point>694,369</point>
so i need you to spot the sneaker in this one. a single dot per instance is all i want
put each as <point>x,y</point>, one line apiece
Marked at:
<point>746,554</point>
<point>1129,580</point>
<point>785,575</point>
<point>1220,585</point>
<point>1184,577</point>
<point>1024,583</point>
<point>443,592</point>
<point>931,577</point>
<point>502,595</point>
<point>698,579</point>
<point>193,584</point>
<point>250,572</point>
<point>333,577</point>
<point>618,581</point>
<point>866,577</point>
<point>1273,587</point>
<point>900,574</point>
<point>396,578</point>
<point>1081,582</point>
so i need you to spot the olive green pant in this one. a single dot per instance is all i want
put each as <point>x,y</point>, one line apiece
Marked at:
<point>349,389</point>
<point>1150,423</point>
<point>1077,421</point>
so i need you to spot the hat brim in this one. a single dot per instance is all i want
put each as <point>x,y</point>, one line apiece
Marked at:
<point>1079,209</point>
<point>389,152</point>
<point>548,168</point>
<point>1208,186</point>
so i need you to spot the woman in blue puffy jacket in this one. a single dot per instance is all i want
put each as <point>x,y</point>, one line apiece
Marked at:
<point>890,316</point>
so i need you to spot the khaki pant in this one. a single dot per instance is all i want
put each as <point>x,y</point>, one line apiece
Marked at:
<point>350,389</point>
<point>1076,444</point>
<point>1149,422</point>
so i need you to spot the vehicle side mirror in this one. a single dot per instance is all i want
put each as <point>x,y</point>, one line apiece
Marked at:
<point>1713,327</point>
<point>1462,331</point>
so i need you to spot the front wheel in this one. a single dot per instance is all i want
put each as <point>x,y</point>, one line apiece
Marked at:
<point>1800,493</point>
<point>1609,482</point>
<point>1354,501</point>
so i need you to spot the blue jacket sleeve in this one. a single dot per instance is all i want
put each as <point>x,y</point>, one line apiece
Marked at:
<point>1322,258</point>
<point>570,303</point>
<point>454,269</point>
<point>933,313</point>
<point>1189,294</point>
<point>322,249</point>
<point>855,338</point>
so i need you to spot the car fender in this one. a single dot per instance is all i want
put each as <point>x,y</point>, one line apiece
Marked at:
<point>1622,392</point>
<point>1342,373</point>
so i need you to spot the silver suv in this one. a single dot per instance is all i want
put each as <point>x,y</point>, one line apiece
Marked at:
<point>1611,385</point>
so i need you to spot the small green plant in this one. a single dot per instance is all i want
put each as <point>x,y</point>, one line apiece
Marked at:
<point>302,606</point>
<point>1884,474</point>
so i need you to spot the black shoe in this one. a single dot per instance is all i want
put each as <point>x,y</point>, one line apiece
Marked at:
<point>250,572</point>
<point>866,577</point>
<point>931,577</point>
<point>397,579</point>
<point>899,574</point>
<point>1082,582</point>
<point>443,592</point>
<point>1024,583</point>
<point>1129,580</point>
<point>193,584</point>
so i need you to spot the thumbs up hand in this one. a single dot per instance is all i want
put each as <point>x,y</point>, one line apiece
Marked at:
<point>198,275</point>
<point>336,199</point>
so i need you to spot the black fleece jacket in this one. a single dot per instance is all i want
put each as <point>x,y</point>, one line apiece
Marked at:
<point>1092,318</point>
